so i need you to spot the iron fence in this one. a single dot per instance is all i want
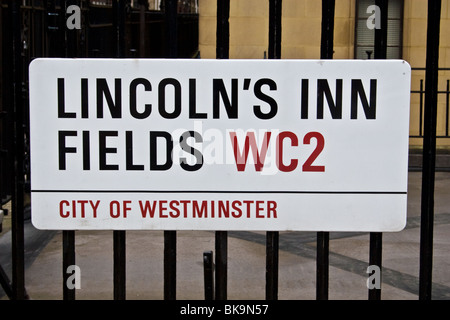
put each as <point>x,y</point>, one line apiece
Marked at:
<point>107,33</point>
<point>442,128</point>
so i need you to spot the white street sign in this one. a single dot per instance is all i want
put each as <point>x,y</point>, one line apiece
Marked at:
<point>274,145</point>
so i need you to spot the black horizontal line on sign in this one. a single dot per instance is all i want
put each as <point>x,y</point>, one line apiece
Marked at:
<point>219,191</point>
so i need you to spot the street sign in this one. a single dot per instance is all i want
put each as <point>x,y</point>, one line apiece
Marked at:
<point>273,145</point>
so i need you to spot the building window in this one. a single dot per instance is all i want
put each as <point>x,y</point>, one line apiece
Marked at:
<point>365,37</point>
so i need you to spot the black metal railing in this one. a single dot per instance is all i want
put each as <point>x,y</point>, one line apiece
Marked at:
<point>115,21</point>
<point>443,127</point>
<point>34,28</point>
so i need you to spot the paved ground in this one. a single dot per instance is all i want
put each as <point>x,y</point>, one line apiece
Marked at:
<point>348,260</point>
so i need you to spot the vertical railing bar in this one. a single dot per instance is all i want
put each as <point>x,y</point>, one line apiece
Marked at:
<point>171,28</point>
<point>118,8</point>
<point>71,36</point>
<point>119,269</point>
<point>208,275</point>
<point>327,32</point>
<point>272,258</point>
<point>275,8</point>
<point>323,238</point>
<point>119,236</point>
<point>272,237</point>
<point>68,236</point>
<point>380,42</point>
<point>322,265</point>
<point>53,29</point>
<point>142,52</point>
<point>429,150</point>
<point>221,237</point>
<point>84,35</point>
<point>375,258</point>
<point>170,265</point>
<point>421,109</point>
<point>170,237</point>
<point>447,95</point>
<point>7,110</point>
<point>221,274</point>
<point>376,238</point>
<point>17,223</point>
<point>223,29</point>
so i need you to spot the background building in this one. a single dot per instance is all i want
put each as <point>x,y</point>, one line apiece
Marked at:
<point>301,25</point>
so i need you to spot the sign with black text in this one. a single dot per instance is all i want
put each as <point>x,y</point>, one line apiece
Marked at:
<point>272,145</point>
